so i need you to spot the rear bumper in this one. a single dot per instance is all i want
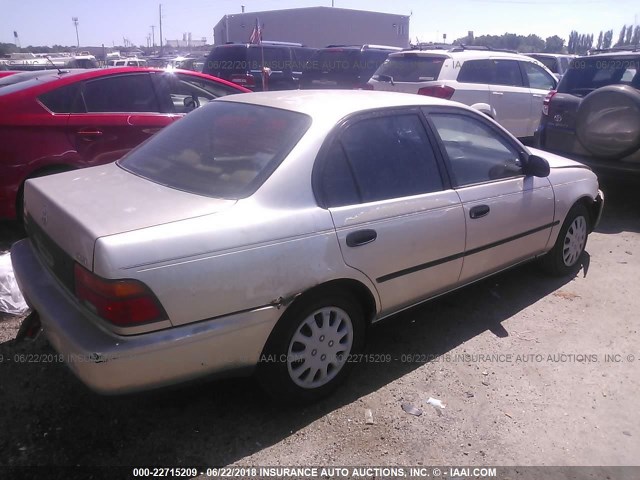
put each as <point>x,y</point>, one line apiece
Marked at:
<point>112,364</point>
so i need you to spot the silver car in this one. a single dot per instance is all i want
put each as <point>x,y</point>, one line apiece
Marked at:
<point>264,232</point>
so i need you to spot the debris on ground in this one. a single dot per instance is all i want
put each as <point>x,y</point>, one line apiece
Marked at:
<point>411,409</point>
<point>435,402</point>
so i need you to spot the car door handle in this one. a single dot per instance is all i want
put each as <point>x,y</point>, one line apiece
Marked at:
<point>479,211</point>
<point>497,93</point>
<point>361,237</point>
<point>90,133</point>
<point>537,95</point>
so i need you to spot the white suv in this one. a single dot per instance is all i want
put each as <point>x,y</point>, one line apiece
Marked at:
<point>508,87</point>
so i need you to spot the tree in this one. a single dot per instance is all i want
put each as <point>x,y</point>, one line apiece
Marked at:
<point>572,44</point>
<point>554,44</point>
<point>621,36</point>
<point>608,38</point>
<point>636,36</point>
<point>599,44</point>
<point>627,38</point>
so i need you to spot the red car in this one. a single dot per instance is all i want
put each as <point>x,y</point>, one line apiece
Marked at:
<point>62,121</point>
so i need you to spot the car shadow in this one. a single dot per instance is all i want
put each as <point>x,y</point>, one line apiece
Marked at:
<point>55,420</point>
<point>621,206</point>
<point>10,232</point>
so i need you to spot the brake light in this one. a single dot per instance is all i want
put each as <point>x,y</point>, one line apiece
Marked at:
<point>244,79</point>
<point>121,302</point>
<point>545,103</point>
<point>439,91</point>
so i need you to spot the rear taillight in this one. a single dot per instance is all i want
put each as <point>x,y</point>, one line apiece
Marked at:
<point>122,302</point>
<point>438,91</point>
<point>545,103</point>
<point>243,79</point>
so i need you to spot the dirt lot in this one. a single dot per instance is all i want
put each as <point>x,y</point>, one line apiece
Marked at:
<point>545,392</point>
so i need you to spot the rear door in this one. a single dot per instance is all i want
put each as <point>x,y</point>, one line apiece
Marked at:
<point>112,115</point>
<point>396,218</point>
<point>508,215</point>
<point>540,83</point>
<point>510,99</point>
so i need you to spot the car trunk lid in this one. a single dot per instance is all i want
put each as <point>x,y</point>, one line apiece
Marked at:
<point>68,212</point>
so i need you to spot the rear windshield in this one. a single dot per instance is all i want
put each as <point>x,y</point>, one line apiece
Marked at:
<point>222,150</point>
<point>590,73</point>
<point>16,82</point>
<point>411,68</point>
<point>550,62</point>
<point>346,61</point>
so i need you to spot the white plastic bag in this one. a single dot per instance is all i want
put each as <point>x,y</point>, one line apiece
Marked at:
<point>11,299</point>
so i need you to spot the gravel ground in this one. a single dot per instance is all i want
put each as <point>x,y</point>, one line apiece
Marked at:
<point>551,377</point>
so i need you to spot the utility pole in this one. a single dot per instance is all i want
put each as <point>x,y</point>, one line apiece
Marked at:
<point>161,42</point>
<point>75,22</point>
<point>153,35</point>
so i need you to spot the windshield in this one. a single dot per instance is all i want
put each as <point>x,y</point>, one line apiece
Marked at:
<point>222,150</point>
<point>410,68</point>
<point>550,62</point>
<point>590,73</point>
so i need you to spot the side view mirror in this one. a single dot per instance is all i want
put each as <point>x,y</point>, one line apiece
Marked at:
<point>536,166</point>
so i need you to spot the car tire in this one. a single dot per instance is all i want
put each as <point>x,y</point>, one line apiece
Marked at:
<point>309,351</point>
<point>564,257</point>
<point>608,122</point>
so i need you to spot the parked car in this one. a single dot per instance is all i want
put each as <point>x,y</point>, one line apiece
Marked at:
<point>344,66</point>
<point>557,63</point>
<point>506,86</point>
<point>264,232</point>
<point>594,116</point>
<point>243,64</point>
<point>127,62</point>
<point>52,121</point>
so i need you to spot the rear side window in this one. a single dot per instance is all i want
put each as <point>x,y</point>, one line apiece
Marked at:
<point>476,71</point>
<point>61,99</point>
<point>411,68</point>
<point>378,159</point>
<point>507,72</point>
<point>122,93</point>
<point>222,150</point>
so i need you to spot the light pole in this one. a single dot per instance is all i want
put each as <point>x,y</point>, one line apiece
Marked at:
<point>75,22</point>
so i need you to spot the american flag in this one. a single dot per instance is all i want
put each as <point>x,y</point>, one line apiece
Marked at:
<point>256,34</point>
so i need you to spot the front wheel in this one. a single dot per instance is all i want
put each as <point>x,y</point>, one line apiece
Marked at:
<point>563,258</point>
<point>307,355</point>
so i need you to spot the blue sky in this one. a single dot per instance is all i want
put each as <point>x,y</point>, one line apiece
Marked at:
<point>48,22</point>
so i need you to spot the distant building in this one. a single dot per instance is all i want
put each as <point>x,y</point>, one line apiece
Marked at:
<point>317,27</point>
<point>187,42</point>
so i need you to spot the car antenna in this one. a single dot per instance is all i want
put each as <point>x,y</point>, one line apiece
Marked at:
<point>54,65</point>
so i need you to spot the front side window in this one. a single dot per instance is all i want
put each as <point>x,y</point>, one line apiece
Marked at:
<point>181,93</point>
<point>121,93</point>
<point>222,150</point>
<point>477,153</point>
<point>537,77</point>
<point>378,159</point>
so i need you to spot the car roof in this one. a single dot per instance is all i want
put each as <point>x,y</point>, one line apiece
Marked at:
<point>616,53</point>
<point>89,73</point>
<point>462,55</point>
<point>333,105</point>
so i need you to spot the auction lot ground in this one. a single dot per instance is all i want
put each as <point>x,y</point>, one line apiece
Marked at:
<point>551,376</point>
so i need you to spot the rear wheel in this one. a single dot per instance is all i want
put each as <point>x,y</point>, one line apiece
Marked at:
<point>572,240</point>
<point>307,354</point>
